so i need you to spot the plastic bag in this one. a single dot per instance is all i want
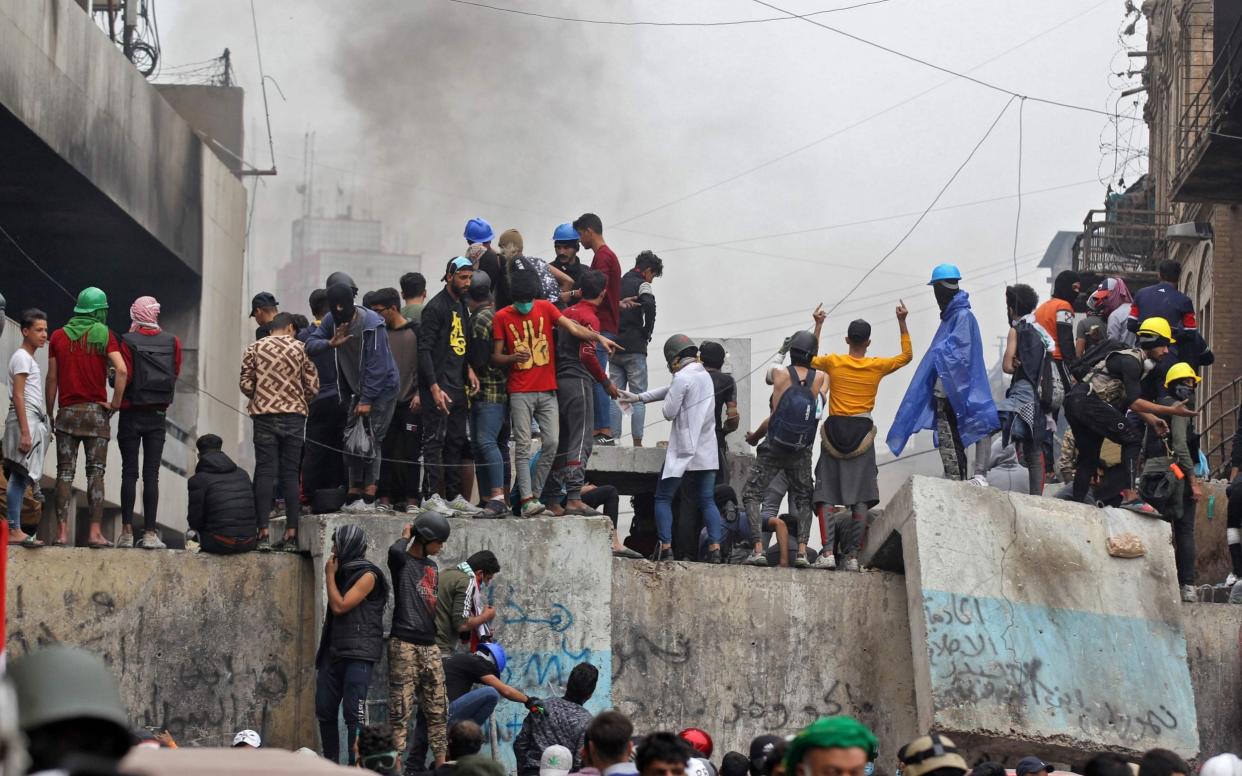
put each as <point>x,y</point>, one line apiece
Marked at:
<point>359,441</point>
<point>1122,543</point>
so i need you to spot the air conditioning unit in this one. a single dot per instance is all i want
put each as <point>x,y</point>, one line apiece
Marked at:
<point>1190,232</point>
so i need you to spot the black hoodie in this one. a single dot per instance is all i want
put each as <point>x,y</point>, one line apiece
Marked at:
<point>221,498</point>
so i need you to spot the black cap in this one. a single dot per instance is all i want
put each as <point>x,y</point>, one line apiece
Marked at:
<point>760,748</point>
<point>262,299</point>
<point>859,331</point>
<point>1028,765</point>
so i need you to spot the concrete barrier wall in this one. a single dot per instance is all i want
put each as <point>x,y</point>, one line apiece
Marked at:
<point>1211,546</point>
<point>742,651</point>
<point>202,646</point>
<point>1214,647</point>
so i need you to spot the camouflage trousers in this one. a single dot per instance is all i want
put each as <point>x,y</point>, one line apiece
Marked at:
<point>86,424</point>
<point>797,470</point>
<point>952,453</point>
<point>416,673</point>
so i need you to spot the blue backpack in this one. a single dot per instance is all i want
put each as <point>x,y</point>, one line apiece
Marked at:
<point>792,426</point>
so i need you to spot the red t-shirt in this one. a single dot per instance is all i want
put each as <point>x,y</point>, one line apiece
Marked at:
<point>81,375</point>
<point>531,332</point>
<point>610,311</point>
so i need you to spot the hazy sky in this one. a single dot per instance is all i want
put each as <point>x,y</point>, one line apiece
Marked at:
<point>429,112</point>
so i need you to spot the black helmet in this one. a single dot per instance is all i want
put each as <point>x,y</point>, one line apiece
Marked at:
<point>676,346</point>
<point>341,278</point>
<point>480,286</point>
<point>805,342</point>
<point>431,527</point>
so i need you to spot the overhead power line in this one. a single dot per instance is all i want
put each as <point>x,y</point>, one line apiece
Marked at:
<point>617,23</point>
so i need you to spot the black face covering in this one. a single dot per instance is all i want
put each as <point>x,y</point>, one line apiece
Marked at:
<point>1063,286</point>
<point>341,302</point>
<point>944,295</point>
<point>1184,393</point>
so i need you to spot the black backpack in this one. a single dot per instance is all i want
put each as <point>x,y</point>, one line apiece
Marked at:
<point>793,423</point>
<point>1094,355</point>
<point>153,379</point>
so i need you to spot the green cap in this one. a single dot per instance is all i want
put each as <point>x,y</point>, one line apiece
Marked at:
<point>90,300</point>
<point>60,682</point>
<point>831,733</point>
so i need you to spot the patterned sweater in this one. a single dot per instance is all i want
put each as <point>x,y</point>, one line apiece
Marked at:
<point>278,377</point>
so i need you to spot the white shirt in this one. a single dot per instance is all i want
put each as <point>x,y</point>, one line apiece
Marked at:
<point>22,363</point>
<point>1117,326</point>
<point>690,403</point>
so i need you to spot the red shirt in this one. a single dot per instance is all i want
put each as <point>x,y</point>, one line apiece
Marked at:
<point>81,374</point>
<point>533,333</point>
<point>610,311</point>
<point>129,363</point>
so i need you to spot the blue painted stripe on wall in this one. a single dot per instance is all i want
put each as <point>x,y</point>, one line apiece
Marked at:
<point>998,665</point>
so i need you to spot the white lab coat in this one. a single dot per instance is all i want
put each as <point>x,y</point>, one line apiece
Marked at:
<point>690,402</point>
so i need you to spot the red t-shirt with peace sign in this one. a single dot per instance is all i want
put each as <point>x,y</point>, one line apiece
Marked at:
<point>533,333</point>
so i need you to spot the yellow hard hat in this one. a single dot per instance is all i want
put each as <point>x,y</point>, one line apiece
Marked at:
<point>1180,371</point>
<point>1156,326</point>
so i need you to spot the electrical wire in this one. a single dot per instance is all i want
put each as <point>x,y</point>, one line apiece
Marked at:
<point>806,146</point>
<point>933,65</point>
<point>609,22</point>
<point>1017,221</point>
<point>254,19</point>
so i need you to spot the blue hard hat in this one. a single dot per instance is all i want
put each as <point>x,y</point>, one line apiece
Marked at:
<point>479,231</point>
<point>565,233</point>
<point>945,272</point>
<point>498,654</point>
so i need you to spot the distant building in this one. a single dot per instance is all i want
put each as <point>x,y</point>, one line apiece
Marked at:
<point>321,246</point>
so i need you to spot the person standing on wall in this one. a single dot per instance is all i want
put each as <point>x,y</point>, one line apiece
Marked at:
<point>26,429</point>
<point>399,486</point>
<point>444,379</point>
<point>280,381</point>
<point>489,410</point>
<point>413,295</point>
<point>323,465</point>
<point>263,308</point>
<point>628,370</point>
<point>79,357</point>
<point>352,639</point>
<point>590,231</point>
<point>153,359</point>
<point>691,454</point>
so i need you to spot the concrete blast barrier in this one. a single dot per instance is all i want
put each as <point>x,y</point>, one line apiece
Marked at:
<point>551,600</point>
<point>1026,633</point>
<point>202,646</point>
<point>743,651</point>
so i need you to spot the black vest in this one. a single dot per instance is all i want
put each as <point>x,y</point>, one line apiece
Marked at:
<point>359,633</point>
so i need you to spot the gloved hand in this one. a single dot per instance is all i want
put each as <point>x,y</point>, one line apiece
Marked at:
<point>626,400</point>
<point>535,706</point>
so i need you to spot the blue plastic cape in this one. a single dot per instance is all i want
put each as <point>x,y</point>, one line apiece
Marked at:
<point>956,357</point>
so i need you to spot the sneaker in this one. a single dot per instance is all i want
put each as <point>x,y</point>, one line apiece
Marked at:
<point>413,509</point>
<point>495,510</point>
<point>532,508</point>
<point>151,541</point>
<point>626,552</point>
<point>828,562</point>
<point>713,556</point>
<point>264,544</point>
<point>1189,594</point>
<point>604,440</point>
<point>462,506</point>
<point>755,559</point>
<point>663,554</point>
<point>436,503</point>
<point>1141,507</point>
<point>290,546</point>
<point>381,508</point>
<point>851,564</point>
<point>125,541</point>
<point>801,562</point>
<point>1230,580</point>
<point>356,507</point>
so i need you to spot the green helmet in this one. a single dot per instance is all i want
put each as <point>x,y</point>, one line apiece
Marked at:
<point>676,345</point>
<point>90,300</point>
<point>60,682</point>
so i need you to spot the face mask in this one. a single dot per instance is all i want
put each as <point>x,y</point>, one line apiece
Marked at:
<point>1184,393</point>
<point>943,295</point>
<point>342,316</point>
<point>524,307</point>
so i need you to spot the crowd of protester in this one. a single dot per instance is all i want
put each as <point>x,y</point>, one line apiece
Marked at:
<point>501,381</point>
<point>61,712</point>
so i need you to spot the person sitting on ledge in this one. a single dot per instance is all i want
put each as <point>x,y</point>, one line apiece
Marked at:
<point>221,501</point>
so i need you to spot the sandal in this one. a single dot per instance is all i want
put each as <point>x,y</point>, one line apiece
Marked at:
<point>31,541</point>
<point>104,545</point>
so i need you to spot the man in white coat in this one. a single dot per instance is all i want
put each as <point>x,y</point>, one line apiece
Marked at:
<point>691,457</point>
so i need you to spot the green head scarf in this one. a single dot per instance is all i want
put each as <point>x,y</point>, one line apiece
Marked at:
<point>830,733</point>
<point>93,326</point>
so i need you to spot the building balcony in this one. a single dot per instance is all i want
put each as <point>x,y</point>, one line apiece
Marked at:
<point>1209,137</point>
<point>1122,243</point>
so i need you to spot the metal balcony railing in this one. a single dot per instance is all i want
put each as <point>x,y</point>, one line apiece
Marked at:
<point>1207,106</point>
<point>1122,241</point>
<point>1219,418</point>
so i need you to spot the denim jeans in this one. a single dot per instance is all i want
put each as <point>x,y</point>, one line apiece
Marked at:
<point>603,402</point>
<point>145,430</point>
<point>16,494</point>
<point>476,706</point>
<point>628,371</point>
<point>278,441</point>
<point>341,684</point>
<point>491,445</point>
<point>542,407</point>
<point>702,485</point>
